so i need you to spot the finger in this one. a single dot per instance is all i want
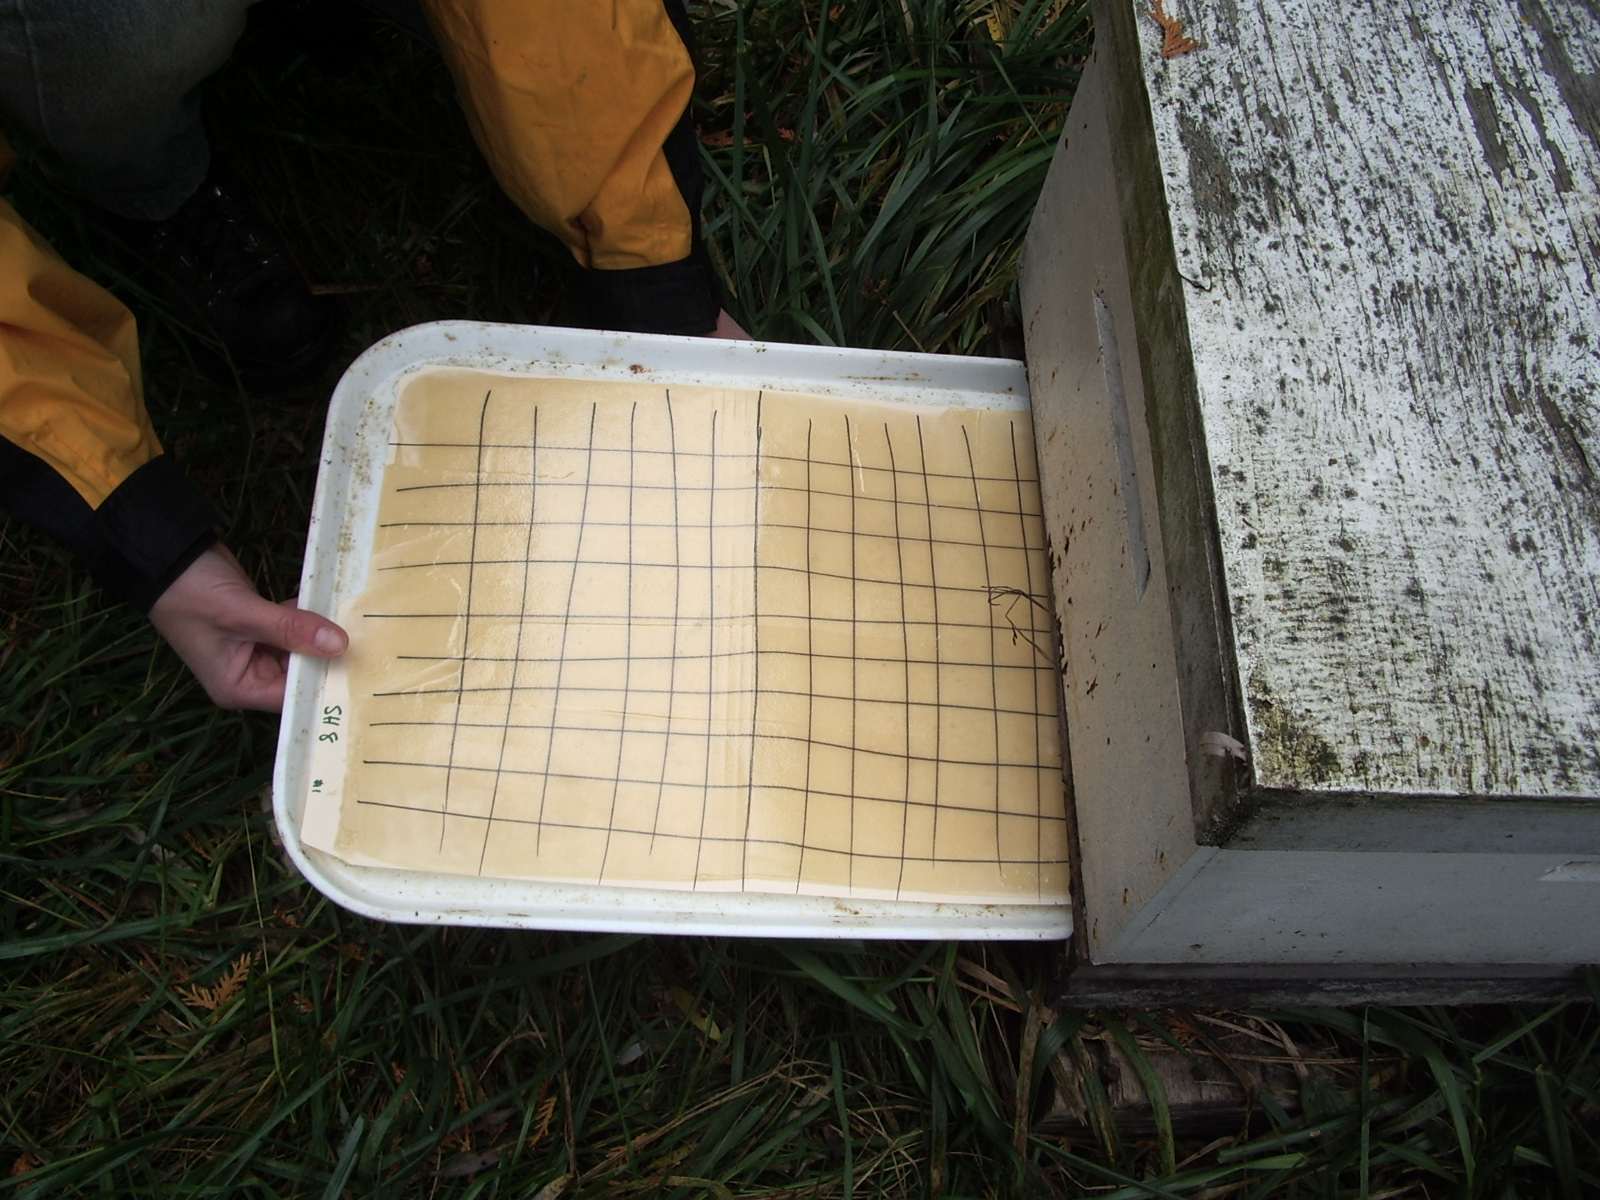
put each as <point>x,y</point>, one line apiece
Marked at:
<point>262,684</point>
<point>729,329</point>
<point>286,628</point>
<point>243,677</point>
<point>329,641</point>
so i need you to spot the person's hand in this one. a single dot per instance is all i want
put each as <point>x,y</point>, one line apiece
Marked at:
<point>236,643</point>
<point>728,328</point>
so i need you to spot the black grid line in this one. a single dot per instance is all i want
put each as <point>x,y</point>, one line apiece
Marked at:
<point>844,577</point>
<point>1027,560</point>
<point>811,662</point>
<point>730,839</point>
<point>567,726</point>
<point>812,694</point>
<point>627,667</point>
<point>466,625</point>
<point>711,599</point>
<point>736,787</point>
<point>905,645</point>
<point>557,484</point>
<point>933,577</point>
<point>646,451</point>
<point>677,602</point>
<point>935,505</point>
<point>516,665</point>
<point>509,616</point>
<point>988,583</point>
<point>601,659</point>
<point>561,659</point>
<point>952,476</point>
<point>855,634</point>
<point>686,490</point>
<point>755,680</point>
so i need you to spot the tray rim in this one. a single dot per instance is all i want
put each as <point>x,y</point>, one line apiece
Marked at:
<point>418,897</point>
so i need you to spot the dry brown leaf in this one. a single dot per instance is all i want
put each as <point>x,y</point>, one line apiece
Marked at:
<point>209,999</point>
<point>1174,40</point>
<point>541,1121</point>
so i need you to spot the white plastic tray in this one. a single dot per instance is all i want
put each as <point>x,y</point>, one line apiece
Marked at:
<point>344,512</point>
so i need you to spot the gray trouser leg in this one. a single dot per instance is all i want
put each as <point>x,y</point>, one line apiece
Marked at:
<point>107,93</point>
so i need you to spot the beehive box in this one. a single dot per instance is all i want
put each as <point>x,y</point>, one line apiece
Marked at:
<point>1314,346</point>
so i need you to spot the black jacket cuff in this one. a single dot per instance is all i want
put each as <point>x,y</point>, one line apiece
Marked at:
<point>680,297</point>
<point>141,538</point>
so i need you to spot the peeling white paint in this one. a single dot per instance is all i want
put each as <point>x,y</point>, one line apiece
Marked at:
<point>1390,218</point>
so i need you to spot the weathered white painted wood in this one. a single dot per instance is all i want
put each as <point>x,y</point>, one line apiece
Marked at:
<point>1388,220</point>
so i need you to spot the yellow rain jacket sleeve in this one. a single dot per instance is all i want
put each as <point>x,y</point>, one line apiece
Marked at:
<point>78,458</point>
<point>582,109</point>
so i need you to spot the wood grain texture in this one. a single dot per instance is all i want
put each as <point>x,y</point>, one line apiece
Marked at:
<point>1387,218</point>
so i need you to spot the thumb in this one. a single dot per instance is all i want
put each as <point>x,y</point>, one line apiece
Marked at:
<point>311,633</point>
<point>289,628</point>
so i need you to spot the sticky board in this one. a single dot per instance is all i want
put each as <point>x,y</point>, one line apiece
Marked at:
<point>693,631</point>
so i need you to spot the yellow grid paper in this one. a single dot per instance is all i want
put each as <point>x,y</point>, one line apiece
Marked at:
<point>623,634</point>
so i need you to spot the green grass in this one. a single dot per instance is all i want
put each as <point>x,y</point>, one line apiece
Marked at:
<point>180,1015</point>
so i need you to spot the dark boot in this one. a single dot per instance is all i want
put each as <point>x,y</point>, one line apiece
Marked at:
<point>226,274</point>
